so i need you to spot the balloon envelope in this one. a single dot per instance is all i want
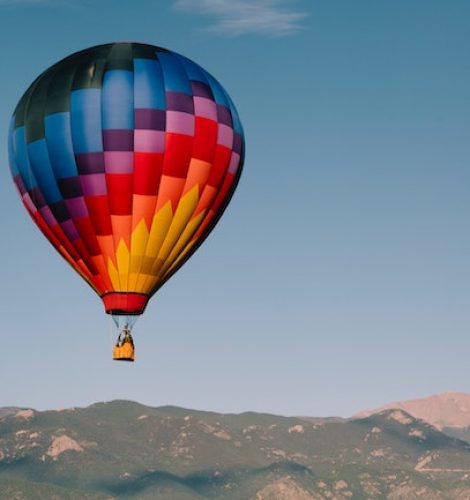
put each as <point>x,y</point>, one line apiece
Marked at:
<point>126,155</point>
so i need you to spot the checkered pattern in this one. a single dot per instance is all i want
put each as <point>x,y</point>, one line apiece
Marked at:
<point>126,155</point>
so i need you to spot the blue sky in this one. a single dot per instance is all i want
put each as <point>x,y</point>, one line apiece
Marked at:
<point>339,277</point>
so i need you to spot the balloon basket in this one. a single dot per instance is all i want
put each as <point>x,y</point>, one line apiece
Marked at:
<point>124,349</point>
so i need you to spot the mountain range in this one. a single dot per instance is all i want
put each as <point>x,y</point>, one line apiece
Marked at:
<point>448,412</point>
<point>450,409</point>
<point>123,449</point>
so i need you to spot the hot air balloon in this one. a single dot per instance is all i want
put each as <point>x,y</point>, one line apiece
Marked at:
<point>126,155</point>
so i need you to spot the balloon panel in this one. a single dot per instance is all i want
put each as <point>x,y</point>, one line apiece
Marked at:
<point>125,155</point>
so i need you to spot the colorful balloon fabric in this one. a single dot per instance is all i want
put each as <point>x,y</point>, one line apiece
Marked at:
<point>126,155</point>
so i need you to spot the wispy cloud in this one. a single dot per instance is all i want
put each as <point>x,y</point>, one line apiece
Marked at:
<point>237,17</point>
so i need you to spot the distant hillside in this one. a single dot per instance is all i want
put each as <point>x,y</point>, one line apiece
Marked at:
<point>8,410</point>
<point>323,420</point>
<point>451,409</point>
<point>126,450</point>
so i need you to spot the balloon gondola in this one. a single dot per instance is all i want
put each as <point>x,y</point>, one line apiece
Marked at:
<point>126,155</point>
